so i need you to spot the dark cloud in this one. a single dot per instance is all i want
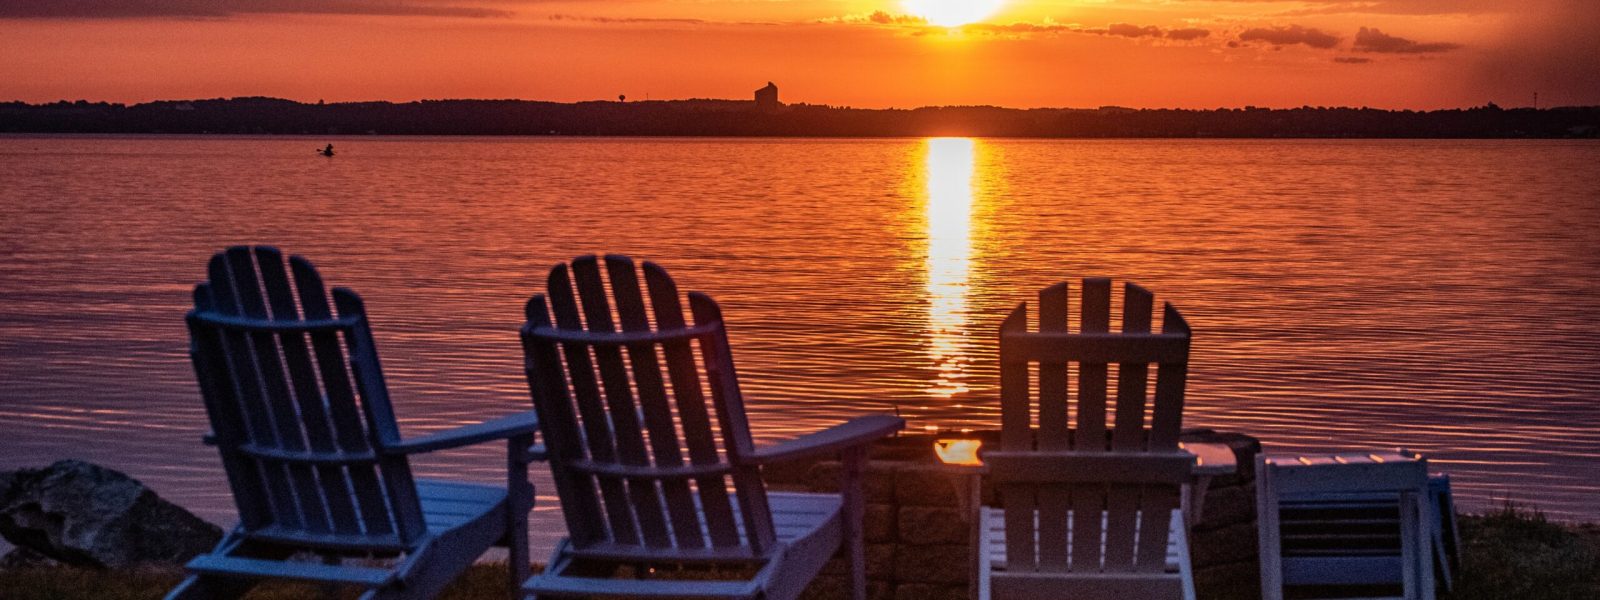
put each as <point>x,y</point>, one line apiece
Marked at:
<point>135,9</point>
<point>1369,39</point>
<point>1292,34</point>
<point>1188,34</point>
<point>625,20</point>
<point>1133,31</point>
<point>1351,60</point>
<point>884,18</point>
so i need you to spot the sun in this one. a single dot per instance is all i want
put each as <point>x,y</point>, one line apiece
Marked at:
<point>952,13</point>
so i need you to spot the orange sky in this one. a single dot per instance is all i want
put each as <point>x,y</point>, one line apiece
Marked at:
<point>866,53</point>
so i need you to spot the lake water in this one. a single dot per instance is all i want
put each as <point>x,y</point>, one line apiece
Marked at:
<point>1443,296</point>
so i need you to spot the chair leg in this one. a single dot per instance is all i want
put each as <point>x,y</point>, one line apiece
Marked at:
<point>519,500</point>
<point>852,495</point>
<point>1268,533</point>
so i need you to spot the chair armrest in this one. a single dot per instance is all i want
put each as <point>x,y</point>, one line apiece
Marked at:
<point>859,431</point>
<point>522,423</point>
<point>535,453</point>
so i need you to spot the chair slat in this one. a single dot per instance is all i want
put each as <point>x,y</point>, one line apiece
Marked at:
<point>1122,500</point>
<point>1054,499</point>
<point>1132,377</point>
<point>691,404</point>
<point>547,382</point>
<point>207,352</point>
<point>404,506</point>
<point>1016,435</point>
<point>291,432</point>
<point>1089,500</point>
<point>653,401</point>
<point>349,430</point>
<point>1015,425</point>
<point>736,441</point>
<point>625,426</point>
<point>308,395</point>
<point>591,409</point>
<point>246,378</point>
<point>1166,419</point>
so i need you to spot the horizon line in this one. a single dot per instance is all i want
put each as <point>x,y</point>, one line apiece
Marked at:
<point>320,102</point>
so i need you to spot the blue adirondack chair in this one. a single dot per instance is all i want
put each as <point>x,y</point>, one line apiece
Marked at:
<point>617,430</point>
<point>300,414</point>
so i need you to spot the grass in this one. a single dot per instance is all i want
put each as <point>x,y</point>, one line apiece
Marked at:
<point>71,583</point>
<point>1510,554</point>
<point>1518,554</point>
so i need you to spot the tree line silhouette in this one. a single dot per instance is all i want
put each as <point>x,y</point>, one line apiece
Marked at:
<point>741,118</point>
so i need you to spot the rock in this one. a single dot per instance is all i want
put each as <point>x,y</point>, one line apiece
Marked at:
<point>877,480</point>
<point>927,485</point>
<point>23,558</point>
<point>1232,581</point>
<point>878,523</point>
<point>928,591</point>
<point>933,564</point>
<point>927,525</point>
<point>86,515</point>
<point>1228,506</point>
<point>880,562</point>
<point>1229,544</point>
<point>837,587</point>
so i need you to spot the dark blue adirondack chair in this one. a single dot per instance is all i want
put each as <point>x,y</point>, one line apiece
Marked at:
<point>308,439</point>
<point>621,396</point>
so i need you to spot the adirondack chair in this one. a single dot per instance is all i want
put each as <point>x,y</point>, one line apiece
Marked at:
<point>1355,523</point>
<point>617,435</point>
<point>302,419</point>
<point>1086,512</point>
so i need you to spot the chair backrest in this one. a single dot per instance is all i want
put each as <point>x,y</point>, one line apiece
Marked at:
<point>618,429</point>
<point>298,406</point>
<point>1113,485</point>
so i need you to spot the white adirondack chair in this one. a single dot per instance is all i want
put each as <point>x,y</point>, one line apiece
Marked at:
<point>1353,520</point>
<point>617,431</point>
<point>301,416</point>
<point>1089,511</point>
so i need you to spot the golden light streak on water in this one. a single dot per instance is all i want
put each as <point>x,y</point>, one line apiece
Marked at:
<point>950,166</point>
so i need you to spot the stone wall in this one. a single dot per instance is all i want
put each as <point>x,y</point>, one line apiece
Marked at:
<point>917,532</point>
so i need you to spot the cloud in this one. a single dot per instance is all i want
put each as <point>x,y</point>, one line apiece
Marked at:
<point>1292,34</point>
<point>1399,7</point>
<point>1351,60</point>
<point>1369,39</point>
<point>136,9</point>
<point>1115,29</point>
<point>1133,31</point>
<point>625,20</point>
<point>877,17</point>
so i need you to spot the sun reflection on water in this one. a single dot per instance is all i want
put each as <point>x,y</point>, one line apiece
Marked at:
<point>950,164</point>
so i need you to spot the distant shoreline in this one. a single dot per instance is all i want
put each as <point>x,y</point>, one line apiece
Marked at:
<point>739,118</point>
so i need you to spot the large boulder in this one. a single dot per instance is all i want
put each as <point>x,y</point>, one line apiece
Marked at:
<point>87,515</point>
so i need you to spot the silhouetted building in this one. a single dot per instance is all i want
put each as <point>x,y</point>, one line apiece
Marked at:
<point>767,98</point>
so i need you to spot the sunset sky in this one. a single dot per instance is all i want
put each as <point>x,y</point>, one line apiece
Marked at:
<point>865,53</point>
